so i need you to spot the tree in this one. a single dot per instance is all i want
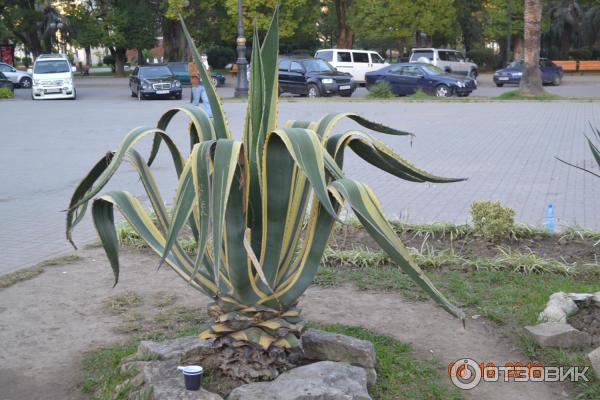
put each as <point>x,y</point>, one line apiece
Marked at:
<point>531,82</point>
<point>129,24</point>
<point>345,36</point>
<point>469,15</point>
<point>22,19</point>
<point>87,27</point>
<point>566,25</point>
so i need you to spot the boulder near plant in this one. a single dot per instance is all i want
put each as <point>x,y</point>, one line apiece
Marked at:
<point>492,221</point>
<point>261,211</point>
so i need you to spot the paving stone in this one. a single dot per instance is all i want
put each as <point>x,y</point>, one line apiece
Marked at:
<point>554,334</point>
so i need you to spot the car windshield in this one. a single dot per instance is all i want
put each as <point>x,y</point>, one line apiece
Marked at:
<point>179,67</point>
<point>317,66</point>
<point>155,72</point>
<point>433,70</point>
<point>51,67</point>
<point>517,64</point>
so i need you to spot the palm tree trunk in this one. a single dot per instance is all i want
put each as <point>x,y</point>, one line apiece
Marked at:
<point>531,83</point>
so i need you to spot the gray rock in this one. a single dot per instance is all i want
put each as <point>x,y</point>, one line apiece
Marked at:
<point>325,380</point>
<point>553,334</point>
<point>166,383</point>
<point>174,349</point>
<point>594,357</point>
<point>559,307</point>
<point>580,297</point>
<point>327,346</point>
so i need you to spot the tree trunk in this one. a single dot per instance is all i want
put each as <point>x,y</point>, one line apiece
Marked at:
<point>173,41</point>
<point>120,60</point>
<point>531,83</point>
<point>345,38</point>
<point>88,56</point>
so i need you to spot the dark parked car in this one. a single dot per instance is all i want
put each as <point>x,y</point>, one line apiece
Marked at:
<point>313,77</point>
<point>154,80</point>
<point>551,73</point>
<point>180,70</point>
<point>407,78</point>
<point>6,83</point>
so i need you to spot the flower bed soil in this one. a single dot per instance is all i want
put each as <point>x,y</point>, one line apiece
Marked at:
<point>587,319</point>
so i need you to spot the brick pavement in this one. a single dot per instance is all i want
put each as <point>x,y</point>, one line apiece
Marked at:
<point>505,149</point>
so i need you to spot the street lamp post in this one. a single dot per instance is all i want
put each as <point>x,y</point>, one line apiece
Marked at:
<point>241,88</point>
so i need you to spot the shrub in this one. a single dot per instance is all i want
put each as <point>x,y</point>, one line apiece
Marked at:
<point>26,61</point>
<point>492,221</point>
<point>381,90</point>
<point>110,61</point>
<point>6,93</point>
<point>220,56</point>
<point>486,59</point>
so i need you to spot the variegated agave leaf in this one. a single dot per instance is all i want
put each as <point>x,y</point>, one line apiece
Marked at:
<point>261,210</point>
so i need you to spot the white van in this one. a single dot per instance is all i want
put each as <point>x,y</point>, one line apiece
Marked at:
<point>356,62</point>
<point>52,77</point>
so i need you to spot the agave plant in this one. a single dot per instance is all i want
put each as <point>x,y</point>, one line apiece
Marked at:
<point>595,152</point>
<point>261,210</point>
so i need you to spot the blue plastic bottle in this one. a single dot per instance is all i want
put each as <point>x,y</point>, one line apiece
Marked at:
<point>550,224</point>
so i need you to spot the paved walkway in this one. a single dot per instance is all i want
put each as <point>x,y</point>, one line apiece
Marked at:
<point>506,150</point>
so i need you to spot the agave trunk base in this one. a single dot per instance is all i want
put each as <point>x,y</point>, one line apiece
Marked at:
<point>255,343</point>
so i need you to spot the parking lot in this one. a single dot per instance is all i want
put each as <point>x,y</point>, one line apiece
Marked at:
<point>506,149</point>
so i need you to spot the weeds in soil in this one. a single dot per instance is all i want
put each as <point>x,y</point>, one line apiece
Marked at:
<point>30,273</point>
<point>164,299</point>
<point>122,302</point>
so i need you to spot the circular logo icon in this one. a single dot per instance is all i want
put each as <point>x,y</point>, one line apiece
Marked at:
<point>465,374</point>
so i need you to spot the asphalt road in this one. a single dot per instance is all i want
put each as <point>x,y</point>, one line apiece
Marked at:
<point>506,149</point>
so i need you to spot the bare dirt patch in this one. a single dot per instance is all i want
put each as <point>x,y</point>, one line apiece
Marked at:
<point>49,323</point>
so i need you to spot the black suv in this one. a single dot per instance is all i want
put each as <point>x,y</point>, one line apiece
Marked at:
<point>313,77</point>
<point>154,80</point>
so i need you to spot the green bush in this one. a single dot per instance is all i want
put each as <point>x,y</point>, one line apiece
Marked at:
<point>6,93</point>
<point>220,56</point>
<point>26,61</point>
<point>110,61</point>
<point>381,90</point>
<point>492,221</point>
<point>485,59</point>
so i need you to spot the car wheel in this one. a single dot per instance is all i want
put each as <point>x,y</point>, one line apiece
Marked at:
<point>214,81</point>
<point>25,82</point>
<point>178,96</point>
<point>140,96</point>
<point>442,91</point>
<point>133,93</point>
<point>313,90</point>
<point>74,95</point>
<point>499,84</point>
<point>473,74</point>
<point>557,80</point>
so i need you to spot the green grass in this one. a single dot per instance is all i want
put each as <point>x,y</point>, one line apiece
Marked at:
<point>103,375</point>
<point>516,95</point>
<point>31,272</point>
<point>399,374</point>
